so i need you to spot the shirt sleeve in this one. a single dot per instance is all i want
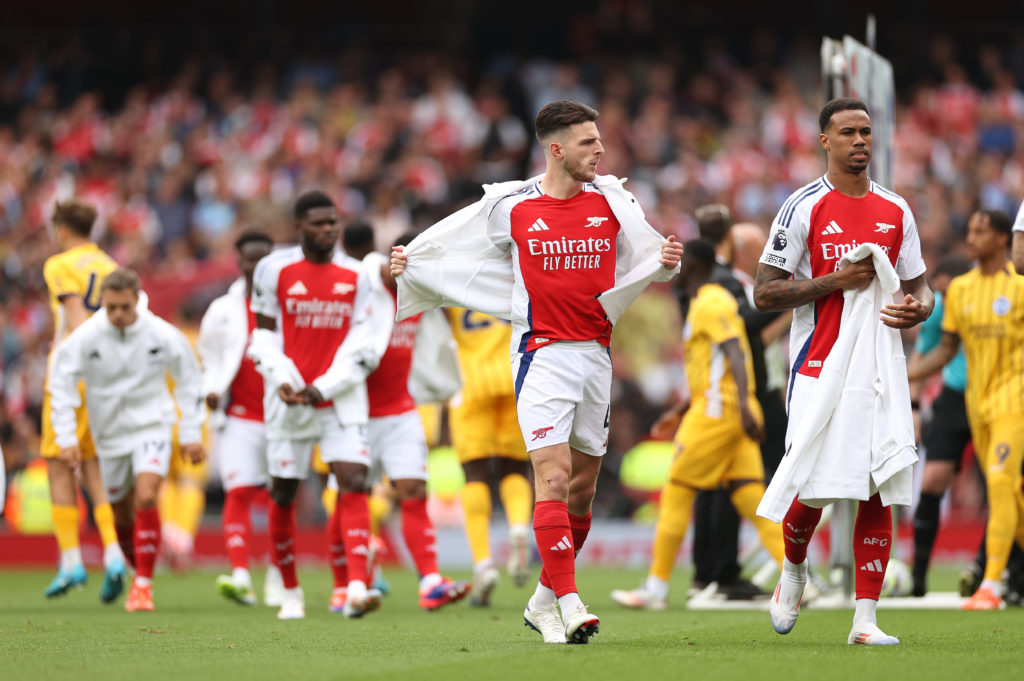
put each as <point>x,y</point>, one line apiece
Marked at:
<point>1018,224</point>
<point>787,241</point>
<point>909,264</point>
<point>499,225</point>
<point>60,279</point>
<point>717,316</point>
<point>264,290</point>
<point>62,383</point>
<point>184,369</point>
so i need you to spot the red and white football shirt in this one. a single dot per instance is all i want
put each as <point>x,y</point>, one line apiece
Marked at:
<point>388,385</point>
<point>246,391</point>
<point>563,256</point>
<point>314,304</point>
<point>815,228</point>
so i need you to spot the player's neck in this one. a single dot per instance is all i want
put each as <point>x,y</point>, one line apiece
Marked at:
<point>853,184</point>
<point>559,185</point>
<point>317,258</point>
<point>70,242</point>
<point>992,264</point>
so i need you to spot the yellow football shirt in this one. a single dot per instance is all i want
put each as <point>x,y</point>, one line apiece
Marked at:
<point>713,319</point>
<point>483,348</point>
<point>77,271</point>
<point>987,313</point>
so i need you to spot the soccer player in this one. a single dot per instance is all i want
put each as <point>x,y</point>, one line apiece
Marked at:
<point>73,279</point>
<point>398,445</point>
<point>800,268</point>
<point>947,433</point>
<point>314,345</point>
<point>486,436</point>
<point>545,254</point>
<point>233,391</point>
<point>985,312</point>
<point>717,442</point>
<point>124,354</point>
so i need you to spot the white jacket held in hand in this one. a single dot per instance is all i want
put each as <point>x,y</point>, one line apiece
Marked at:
<point>856,435</point>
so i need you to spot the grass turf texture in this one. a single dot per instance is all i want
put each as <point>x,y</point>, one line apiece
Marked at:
<point>195,634</point>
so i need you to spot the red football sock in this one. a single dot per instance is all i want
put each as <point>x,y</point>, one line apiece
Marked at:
<point>282,539</point>
<point>580,526</point>
<point>418,532</point>
<point>355,530</point>
<point>147,541</point>
<point>336,550</point>
<point>126,540</point>
<point>872,542</point>
<point>552,531</point>
<point>237,525</point>
<point>797,529</point>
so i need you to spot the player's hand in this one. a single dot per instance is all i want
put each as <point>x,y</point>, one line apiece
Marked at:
<point>903,316</point>
<point>289,396</point>
<point>751,425</point>
<point>668,423</point>
<point>398,260</point>
<point>671,253</point>
<point>212,401</point>
<point>193,452</point>
<point>72,456</point>
<point>855,275</point>
<point>311,395</point>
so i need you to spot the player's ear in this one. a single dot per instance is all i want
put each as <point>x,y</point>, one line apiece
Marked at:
<point>823,141</point>
<point>555,149</point>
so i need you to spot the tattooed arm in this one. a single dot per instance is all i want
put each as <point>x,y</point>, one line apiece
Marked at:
<point>774,290</point>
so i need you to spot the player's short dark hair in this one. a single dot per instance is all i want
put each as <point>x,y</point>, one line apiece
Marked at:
<point>953,265</point>
<point>701,251</point>
<point>406,238</point>
<point>252,236</point>
<point>121,279</point>
<point>834,106</point>
<point>314,198</point>
<point>713,222</point>
<point>357,235</point>
<point>999,221</point>
<point>561,114</point>
<point>76,215</point>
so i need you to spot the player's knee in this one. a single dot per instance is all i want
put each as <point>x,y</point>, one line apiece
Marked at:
<point>282,492</point>
<point>556,483</point>
<point>353,480</point>
<point>411,489</point>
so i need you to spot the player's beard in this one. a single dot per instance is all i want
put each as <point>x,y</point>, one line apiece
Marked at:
<point>580,170</point>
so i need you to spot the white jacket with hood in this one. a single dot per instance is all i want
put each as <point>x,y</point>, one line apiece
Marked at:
<point>126,394</point>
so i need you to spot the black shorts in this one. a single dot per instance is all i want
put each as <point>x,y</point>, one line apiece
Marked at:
<point>946,435</point>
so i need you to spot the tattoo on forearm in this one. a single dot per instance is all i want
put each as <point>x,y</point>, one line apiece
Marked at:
<point>773,292</point>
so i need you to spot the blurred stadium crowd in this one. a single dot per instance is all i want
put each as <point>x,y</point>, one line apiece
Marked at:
<point>182,158</point>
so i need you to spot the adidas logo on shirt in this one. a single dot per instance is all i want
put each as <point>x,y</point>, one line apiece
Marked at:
<point>538,226</point>
<point>832,228</point>
<point>563,544</point>
<point>340,288</point>
<point>873,566</point>
<point>297,289</point>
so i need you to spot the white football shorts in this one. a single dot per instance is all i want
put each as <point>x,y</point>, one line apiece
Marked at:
<point>151,455</point>
<point>563,394</point>
<point>398,447</point>
<point>241,452</point>
<point>291,459</point>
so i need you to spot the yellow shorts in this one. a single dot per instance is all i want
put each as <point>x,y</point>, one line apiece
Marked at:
<point>186,470</point>
<point>712,451</point>
<point>485,428</point>
<point>320,467</point>
<point>48,447</point>
<point>999,445</point>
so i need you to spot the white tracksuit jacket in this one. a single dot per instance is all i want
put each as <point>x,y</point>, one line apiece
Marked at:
<point>453,263</point>
<point>126,393</point>
<point>856,435</point>
<point>223,335</point>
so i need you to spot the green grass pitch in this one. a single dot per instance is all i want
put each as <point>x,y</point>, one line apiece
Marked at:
<point>196,635</point>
